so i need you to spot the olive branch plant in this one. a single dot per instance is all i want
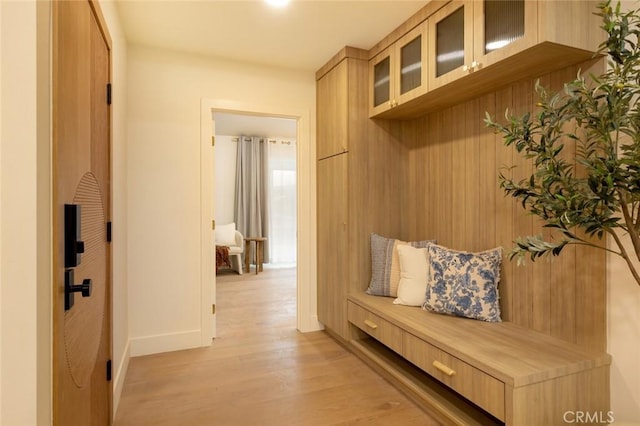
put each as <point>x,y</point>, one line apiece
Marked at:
<point>596,192</point>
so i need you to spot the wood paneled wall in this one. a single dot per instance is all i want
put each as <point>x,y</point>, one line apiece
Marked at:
<point>376,173</point>
<point>452,194</point>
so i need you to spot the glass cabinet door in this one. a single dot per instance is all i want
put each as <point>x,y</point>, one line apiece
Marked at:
<point>503,23</point>
<point>508,26</point>
<point>450,43</point>
<point>411,51</point>
<point>411,65</point>
<point>382,80</point>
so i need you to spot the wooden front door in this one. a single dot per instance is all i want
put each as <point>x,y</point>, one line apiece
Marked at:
<point>81,187</point>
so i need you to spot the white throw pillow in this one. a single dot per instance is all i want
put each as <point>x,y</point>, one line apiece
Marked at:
<point>414,268</point>
<point>226,235</point>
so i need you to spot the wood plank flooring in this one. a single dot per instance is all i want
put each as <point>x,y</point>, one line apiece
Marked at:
<point>261,371</point>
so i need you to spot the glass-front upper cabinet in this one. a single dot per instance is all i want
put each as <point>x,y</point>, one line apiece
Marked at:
<point>398,73</point>
<point>451,43</point>
<point>381,82</point>
<point>467,36</point>
<point>411,63</point>
<point>508,27</point>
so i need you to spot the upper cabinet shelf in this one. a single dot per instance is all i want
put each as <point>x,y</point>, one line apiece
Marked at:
<point>470,47</point>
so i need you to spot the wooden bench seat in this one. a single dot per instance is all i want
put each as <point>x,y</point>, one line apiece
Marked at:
<point>519,376</point>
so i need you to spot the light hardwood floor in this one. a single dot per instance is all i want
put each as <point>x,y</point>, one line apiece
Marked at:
<point>261,371</point>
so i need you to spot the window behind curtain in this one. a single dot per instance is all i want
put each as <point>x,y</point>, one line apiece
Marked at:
<point>282,203</point>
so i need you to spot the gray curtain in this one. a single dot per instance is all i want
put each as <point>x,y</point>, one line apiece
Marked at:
<point>252,185</point>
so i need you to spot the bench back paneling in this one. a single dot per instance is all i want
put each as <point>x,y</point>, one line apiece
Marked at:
<point>453,195</point>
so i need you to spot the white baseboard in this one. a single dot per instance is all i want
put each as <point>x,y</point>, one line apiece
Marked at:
<point>148,345</point>
<point>121,374</point>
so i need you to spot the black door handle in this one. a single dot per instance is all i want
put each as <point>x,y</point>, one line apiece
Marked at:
<point>70,288</point>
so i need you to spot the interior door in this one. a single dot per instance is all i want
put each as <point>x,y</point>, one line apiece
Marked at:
<point>81,211</point>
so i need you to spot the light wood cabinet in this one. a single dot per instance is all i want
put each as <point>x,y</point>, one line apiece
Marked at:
<point>390,177</point>
<point>332,112</point>
<point>399,73</point>
<point>332,243</point>
<point>451,50</point>
<point>502,29</point>
<point>382,82</point>
<point>351,201</point>
<point>518,376</point>
<point>466,36</point>
<point>340,128</point>
<point>486,44</point>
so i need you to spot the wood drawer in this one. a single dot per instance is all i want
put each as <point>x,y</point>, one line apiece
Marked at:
<point>482,389</point>
<point>376,327</point>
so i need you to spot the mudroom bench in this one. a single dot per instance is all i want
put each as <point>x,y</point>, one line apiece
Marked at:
<point>477,372</point>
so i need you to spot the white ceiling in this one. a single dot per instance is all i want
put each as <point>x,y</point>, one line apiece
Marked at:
<point>303,35</point>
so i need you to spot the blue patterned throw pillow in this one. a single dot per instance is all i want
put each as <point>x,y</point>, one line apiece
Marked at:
<point>464,284</point>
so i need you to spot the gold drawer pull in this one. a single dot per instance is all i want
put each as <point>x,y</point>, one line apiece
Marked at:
<point>446,370</point>
<point>370,324</point>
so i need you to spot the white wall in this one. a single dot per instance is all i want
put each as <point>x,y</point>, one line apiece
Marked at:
<point>25,214</point>
<point>623,333</point>
<point>623,330</point>
<point>120,308</point>
<point>224,178</point>
<point>164,111</point>
<point>1,180</point>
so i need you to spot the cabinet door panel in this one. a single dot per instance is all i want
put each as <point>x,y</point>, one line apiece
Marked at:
<point>450,43</point>
<point>333,274</point>
<point>332,112</point>
<point>503,28</point>
<point>382,81</point>
<point>411,51</point>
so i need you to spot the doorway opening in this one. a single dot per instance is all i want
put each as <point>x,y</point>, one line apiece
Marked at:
<point>278,137</point>
<point>255,190</point>
<point>306,289</point>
